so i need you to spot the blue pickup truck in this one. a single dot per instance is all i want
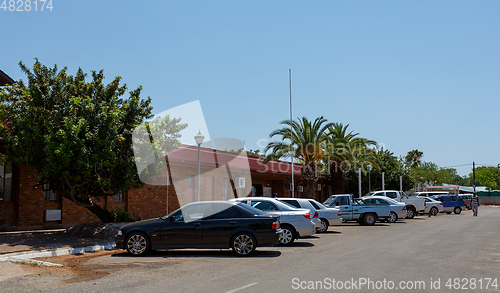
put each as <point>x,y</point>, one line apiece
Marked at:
<point>355,209</point>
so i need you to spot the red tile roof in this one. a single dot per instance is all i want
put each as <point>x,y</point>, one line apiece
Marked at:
<point>188,155</point>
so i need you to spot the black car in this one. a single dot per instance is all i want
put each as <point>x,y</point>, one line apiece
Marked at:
<point>207,224</point>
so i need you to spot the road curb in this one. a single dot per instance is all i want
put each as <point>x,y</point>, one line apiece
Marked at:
<point>26,256</point>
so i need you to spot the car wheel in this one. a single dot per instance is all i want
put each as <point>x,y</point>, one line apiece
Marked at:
<point>243,244</point>
<point>457,210</point>
<point>288,235</point>
<point>434,211</point>
<point>410,213</point>
<point>137,244</point>
<point>369,219</point>
<point>324,226</point>
<point>393,217</point>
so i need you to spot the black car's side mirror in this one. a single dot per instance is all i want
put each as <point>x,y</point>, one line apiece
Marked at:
<point>172,219</point>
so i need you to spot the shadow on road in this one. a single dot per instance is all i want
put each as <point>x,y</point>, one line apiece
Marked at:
<point>331,232</point>
<point>300,244</point>
<point>218,253</point>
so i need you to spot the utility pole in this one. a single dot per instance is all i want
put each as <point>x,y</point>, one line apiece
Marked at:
<point>474,176</point>
<point>291,128</point>
<point>359,179</point>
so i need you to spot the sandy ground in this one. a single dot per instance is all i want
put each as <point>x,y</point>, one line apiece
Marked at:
<point>75,268</point>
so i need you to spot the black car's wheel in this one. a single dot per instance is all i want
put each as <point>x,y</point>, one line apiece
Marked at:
<point>243,244</point>
<point>369,219</point>
<point>393,217</point>
<point>324,226</point>
<point>137,244</point>
<point>410,213</point>
<point>434,211</point>
<point>457,210</point>
<point>288,235</point>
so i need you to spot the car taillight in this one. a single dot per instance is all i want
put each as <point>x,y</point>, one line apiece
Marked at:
<point>276,225</point>
<point>425,203</point>
<point>441,203</point>
<point>316,214</point>
<point>307,216</point>
<point>404,208</point>
<point>339,214</point>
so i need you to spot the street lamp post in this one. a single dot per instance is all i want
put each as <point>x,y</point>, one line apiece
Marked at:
<point>199,140</point>
<point>369,167</point>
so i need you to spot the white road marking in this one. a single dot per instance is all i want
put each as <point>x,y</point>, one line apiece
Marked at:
<point>241,288</point>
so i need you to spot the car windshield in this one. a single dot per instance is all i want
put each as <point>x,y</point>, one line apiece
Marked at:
<point>358,201</point>
<point>287,205</point>
<point>329,200</point>
<point>391,201</point>
<point>317,205</point>
<point>251,209</point>
<point>369,193</point>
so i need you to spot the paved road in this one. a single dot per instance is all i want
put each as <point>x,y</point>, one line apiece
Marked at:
<point>412,253</point>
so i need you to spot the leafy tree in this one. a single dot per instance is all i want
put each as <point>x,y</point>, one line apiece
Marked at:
<point>346,150</point>
<point>386,162</point>
<point>432,174</point>
<point>77,135</point>
<point>413,158</point>
<point>308,142</point>
<point>487,176</point>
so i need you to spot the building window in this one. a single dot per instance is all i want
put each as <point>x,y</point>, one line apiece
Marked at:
<point>6,181</point>
<point>119,196</point>
<point>49,194</point>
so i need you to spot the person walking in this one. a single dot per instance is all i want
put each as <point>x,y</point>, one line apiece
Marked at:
<point>475,204</point>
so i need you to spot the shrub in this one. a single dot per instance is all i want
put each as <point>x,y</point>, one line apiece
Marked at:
<point>121,215</point>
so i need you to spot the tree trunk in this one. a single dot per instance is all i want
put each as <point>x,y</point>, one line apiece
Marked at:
<point>309,190</point>
<point>310,176</point>
<point>338,177</point>
<point>102,214</point>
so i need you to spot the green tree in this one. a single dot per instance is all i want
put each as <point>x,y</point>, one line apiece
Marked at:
<point>386,162</point>
<point>487,176</point>
<point>77,135</point>
<point>346,150</point>
<point>308,142</point>
<point>413,158</point>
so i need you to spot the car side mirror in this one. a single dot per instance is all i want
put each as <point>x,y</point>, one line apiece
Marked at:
<point>172,219</point>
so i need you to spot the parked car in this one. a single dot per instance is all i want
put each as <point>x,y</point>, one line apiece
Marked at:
<point>433,206</point>
<point>358,210</point>
<point>467,198</point>
<point>451,203</point>
<point>207,224</point>
<point>397,209</point>
<point>429,193</point>
<point>413,205</point>
<point>295,223</point>
<point>327,216</point>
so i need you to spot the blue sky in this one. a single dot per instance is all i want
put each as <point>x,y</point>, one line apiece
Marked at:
<point>408,74</point>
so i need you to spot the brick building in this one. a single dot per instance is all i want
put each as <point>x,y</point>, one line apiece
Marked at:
<point>22,206</point>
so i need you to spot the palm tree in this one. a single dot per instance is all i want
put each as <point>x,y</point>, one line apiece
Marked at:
<point>308,142</point>
<point>345,150</point>
<point>413,158</point>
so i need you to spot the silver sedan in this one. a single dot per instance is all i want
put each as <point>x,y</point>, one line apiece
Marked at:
<point>327,216</point>
<point>295,223</point>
